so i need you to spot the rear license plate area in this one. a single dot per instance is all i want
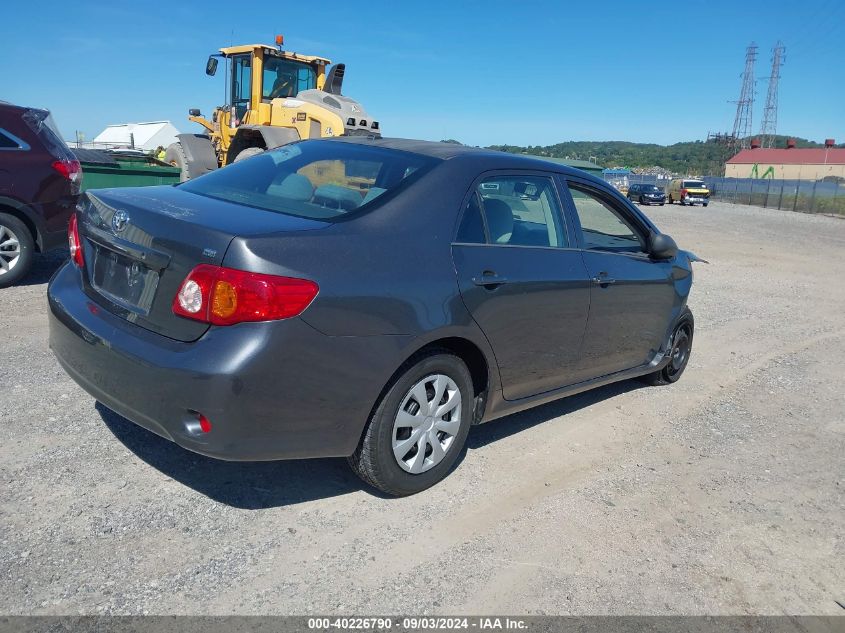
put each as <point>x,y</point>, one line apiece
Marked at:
<point>123,280</point>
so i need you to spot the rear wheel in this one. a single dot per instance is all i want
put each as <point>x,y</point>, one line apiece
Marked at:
<point>419,427</point>
<point>679,356</point>
<point>671,200</point>
<point>175,155</point>
<point>17,250</point>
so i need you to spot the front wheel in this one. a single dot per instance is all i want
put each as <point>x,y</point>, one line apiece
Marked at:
<point>419,427</point>
<point>679,355</point>
<point>17,250</point>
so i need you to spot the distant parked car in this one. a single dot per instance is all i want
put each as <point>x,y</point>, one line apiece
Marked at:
<point>365,298</point>
<point>688,191</point>
<point>39,186</point>
<point>646,194</point>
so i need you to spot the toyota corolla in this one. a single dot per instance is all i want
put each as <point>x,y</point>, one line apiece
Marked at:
<point>365,298</point>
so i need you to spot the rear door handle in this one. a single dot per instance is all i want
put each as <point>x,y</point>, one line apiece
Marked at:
<point>489,280</point>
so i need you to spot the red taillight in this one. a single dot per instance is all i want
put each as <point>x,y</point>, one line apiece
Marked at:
<point>74,243</point>
<point>224,296</point>
<point>205,425</point>
<point>683,192</point>
<point>70,169</point>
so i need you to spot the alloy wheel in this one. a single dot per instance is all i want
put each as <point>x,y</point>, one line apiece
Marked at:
<point>426,424</point>
<point>10,249</point>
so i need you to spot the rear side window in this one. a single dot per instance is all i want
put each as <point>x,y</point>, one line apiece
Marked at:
<point>521,211</point>
<point>315,179</point>
<point>471,230</point>
<point>6,141</point>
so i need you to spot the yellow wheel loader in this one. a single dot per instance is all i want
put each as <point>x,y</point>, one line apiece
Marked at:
<point>274,97</point>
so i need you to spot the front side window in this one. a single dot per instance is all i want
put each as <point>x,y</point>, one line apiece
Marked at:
<point>521,211</point>
<point>604,227</point>
<point>286,78</point>
<point>315,179</point>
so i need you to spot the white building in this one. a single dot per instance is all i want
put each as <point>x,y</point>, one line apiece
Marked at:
<point>144,136</point>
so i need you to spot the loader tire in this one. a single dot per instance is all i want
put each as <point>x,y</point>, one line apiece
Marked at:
<point>175,155</point>
<point>248,152</point>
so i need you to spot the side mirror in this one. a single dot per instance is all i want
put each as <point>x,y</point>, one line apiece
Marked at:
<point>211,66</point>
<point>662,246</point>
<point>194,112</point>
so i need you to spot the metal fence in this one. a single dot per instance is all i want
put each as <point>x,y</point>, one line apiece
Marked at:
<point>805,196</point>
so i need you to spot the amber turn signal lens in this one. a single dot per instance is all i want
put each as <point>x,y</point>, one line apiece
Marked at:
<point>224,302</point>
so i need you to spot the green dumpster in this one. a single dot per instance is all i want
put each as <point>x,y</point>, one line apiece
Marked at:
<point>102,170</point>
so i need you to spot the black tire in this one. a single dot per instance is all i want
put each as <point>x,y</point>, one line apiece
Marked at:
<point>175,155</point>
<point>661,204</point>
<point>374,461</point>
<point>706,203</point>
<point>681,349</point>
<point>641,201</point>
<point>671,201</point>
<point>15,238</point>
<point>248,152</point>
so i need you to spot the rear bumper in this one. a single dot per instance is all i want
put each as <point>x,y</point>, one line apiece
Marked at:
<point>273,390</point>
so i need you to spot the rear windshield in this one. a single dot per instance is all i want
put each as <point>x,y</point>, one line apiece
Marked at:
<point>314,179</point>
<point>694,184</point>
<point>41,122</point>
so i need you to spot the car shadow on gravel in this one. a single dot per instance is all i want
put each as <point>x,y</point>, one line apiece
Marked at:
<point>245,485</point>
<point>261,485</point>
<point>496,430</point>
<point>44,266</point>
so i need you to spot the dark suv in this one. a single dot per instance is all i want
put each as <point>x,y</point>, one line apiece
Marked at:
<point>646,194</point>
<point>39,186</point>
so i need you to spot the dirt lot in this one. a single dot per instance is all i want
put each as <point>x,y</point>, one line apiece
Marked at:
<point>722,494</point>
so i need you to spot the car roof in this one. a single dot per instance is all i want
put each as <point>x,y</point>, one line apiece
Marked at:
<point>446,151</point>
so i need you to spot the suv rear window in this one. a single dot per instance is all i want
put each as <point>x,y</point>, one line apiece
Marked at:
<point>315,179</point>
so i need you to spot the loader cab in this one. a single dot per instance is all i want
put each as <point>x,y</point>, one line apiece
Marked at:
<point>259,73</point>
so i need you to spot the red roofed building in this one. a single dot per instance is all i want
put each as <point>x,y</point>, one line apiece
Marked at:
<point>791,163</point>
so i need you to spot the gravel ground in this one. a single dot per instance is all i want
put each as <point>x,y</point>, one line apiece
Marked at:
<point>722,494</point>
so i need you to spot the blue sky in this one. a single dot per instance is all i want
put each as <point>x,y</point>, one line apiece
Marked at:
<point>484,73</point>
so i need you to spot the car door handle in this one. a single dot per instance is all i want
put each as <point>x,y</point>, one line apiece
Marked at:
<point>489,280</point>
<point>603,280</point>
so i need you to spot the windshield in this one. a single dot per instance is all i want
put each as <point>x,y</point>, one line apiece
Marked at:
<point>694,184</point>
<point>314,179</point>
<point>650,189</point>
<point>286,78</point>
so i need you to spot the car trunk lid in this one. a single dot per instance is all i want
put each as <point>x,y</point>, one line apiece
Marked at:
<point>141,243</point>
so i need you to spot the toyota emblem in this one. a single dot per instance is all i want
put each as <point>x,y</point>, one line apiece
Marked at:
<point>119,221</point>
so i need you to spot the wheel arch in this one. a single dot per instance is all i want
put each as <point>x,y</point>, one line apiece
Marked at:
<point>21,212</point>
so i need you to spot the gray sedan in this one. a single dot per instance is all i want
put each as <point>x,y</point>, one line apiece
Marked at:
<point>365,298</point>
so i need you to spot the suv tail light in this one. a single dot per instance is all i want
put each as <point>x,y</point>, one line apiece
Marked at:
<point>74,243</point>
<point>225,296</point>
<point>70,169</point>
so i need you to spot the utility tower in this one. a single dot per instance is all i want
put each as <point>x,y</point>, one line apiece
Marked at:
<point>770,112</point>
<point>742,122</point>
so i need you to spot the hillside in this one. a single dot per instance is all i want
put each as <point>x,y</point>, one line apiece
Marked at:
<point>693,157</point>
